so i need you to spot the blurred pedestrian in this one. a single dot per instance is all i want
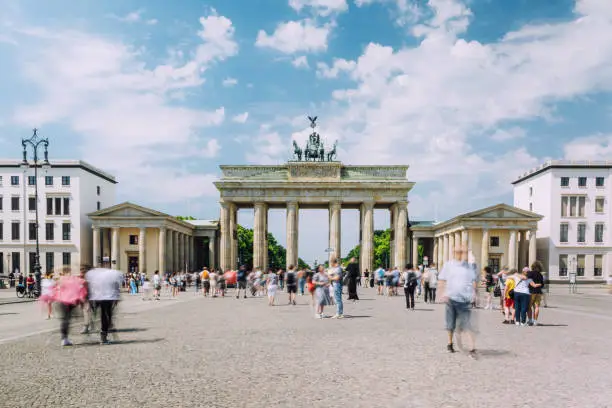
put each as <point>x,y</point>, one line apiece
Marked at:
<point>70,292</point>
<point>104,290</point>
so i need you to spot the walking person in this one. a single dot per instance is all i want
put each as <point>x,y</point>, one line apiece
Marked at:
<point>205,282</point>
<point>380,279</point>
<point>522,296</point>
<point>320,281</point>
<point>291,281</point>
<point>410,285</point>
<point>536,292</point>
<point>335,276</point>
<point>272,283</point>
<point>47,289</point>
<point>352,271</point>
<point>156,285</point>
<point>70,292</point>
<point>241,281</point>
<point>301,281</point>
<point>433,283</point>
<point>104,286</point>
<point>489,284</point>
<point>457,283</point>
<point>425,284</point>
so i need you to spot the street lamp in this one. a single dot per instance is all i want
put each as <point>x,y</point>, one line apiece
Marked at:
<point>34,142</point>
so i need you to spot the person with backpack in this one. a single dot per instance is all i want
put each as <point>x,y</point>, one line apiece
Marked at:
<point>352,272</point>
<point>522,297</point>
<point>335,276</point>
<point>380,279</point>
<point>410,285</point>
<point>241,281</point>
<point>291,282</point>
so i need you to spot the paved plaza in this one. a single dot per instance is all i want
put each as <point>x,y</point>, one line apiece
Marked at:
<point>224,352</point>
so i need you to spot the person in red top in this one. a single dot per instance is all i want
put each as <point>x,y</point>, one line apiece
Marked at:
<point>30,282</point>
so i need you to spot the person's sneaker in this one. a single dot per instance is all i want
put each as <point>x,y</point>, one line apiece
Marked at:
<point>245,297</point>
<point>512,321</point>
<point>523,324</point>
<point>530,323</point>
<point>335,316</point>
<point>340,316</point>
<point>473,354</point>
<point>518,324</point>
<point>506,322</point>
<point>66,343</point>
<point>450,348</point>
<point>104,341</point>
<point>85,331</point>
<point>318,316</point>
<point>237,297</point>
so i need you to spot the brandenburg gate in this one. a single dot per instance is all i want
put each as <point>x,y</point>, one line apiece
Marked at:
<point>313,184</point>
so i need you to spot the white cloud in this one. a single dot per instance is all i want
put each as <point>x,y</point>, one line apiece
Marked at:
<point>437,104</point>
<point>103,91</point>
<point>152,21</point>
<point>300,62</point>
<point>229,82</point>
<point>339,65</point>
<point>295,36</point>
<point>241,118</point>
<point>403,11</point>
<point>136,16</point>
<point>595,147</point>
<point>501,135</point>
<point>322,7</point>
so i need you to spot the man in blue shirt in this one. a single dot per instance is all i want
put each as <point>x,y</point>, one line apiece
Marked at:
<point>241,281</point>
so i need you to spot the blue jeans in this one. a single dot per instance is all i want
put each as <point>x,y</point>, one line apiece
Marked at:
<point>338,298</point>
<point>301,284</point>
<point>521,304</point>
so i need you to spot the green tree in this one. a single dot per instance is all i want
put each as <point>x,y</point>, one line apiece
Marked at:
<point>245,245</point>
<point>382,250</point>
<point>185,218</point>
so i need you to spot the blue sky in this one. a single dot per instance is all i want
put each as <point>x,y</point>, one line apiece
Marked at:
<point>468,93</point>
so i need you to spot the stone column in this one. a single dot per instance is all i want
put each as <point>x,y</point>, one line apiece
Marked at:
<point>435,250</point>
<point>512,250</point>
<point>233,219</point>
<point>191,253</point>
<point>415,250</point>
<point>367,242</point>
<point>161,262</point>
<point>176,263</point>
<point>225,244</point>
<point>465,243</point>
<point>445,248</point>
<point>259,240</point>
<point>142,250</point>
<point>265,235</point>
<point>115,248</point>
<point>532,247</point>
<point>335,225</point>
<point>400,234</point>
<point>96,247</point>
<point>451,246</point>
<point>393,232</point>
<point>211,252</point>
<point>484,252</point>
<point>292,234</point>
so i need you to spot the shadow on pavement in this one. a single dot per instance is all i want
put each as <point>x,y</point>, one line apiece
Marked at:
<point>128,330</point>
<point>424,310</point>
<point>493,353</point>
<point>551,325</point>
<point>8,313</point>
<point>356,317</point>
<point>119,342</point>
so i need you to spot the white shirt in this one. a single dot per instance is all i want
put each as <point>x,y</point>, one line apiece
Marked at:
<point>156,280</point>
<point>104,284</point>
<point>46,286</point>
<point>459,279</point>
<point>433,277</point>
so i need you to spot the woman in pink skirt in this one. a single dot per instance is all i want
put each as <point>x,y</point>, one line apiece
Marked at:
<point>47,289</point>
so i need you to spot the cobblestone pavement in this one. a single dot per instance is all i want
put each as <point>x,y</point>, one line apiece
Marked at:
<point>226,352</point>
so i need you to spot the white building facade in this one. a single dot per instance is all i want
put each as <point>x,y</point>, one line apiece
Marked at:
<point>574,236</point>
<point>67,192</point>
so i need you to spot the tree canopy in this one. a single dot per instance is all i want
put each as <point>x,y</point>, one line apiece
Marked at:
<point>277,254</point>
<point>185,218</point>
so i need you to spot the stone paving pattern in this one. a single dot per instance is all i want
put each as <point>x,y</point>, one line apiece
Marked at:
<point>224,352</point>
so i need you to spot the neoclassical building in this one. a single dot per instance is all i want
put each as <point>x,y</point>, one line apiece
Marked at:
<point>500,235</point>
<point>135,238</point>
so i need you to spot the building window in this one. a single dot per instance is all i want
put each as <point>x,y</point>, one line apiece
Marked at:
<point>15,231</point>
<point>530,206</point>
<point>0,181</point>
<point>564,181</point>
<point>15,203</point>
<point>133,239</point>
<point>49,231</point>
<point>1,201</point>
<point>530,191</point>
<point>564,203</point>
<point>598,266</point>
<point>599,205</point>
<point>577,206</point>
<point>31,203</point>
<point>50,261</point>
<point>65,180</point>
<point>562,265</point>
<point>1,231</point>
<point>14,180</point>
<point>58,206</point>
<point>581,206</point>
<point>48,180</point>
<point>599,230</point>
<point>580,265</point>
<point>66,231</point>
<point>98,190</point>
<point>563,236</point>
<point>66,258</point>
<point>31,180</point>
<point>599,181</point>
<point>98,206</point>
<point>66,206</point>
<point>31,261</point>
<point>581,233</point>
<point>573,206</point>
<point>49,206</point>
<point>582,181</point>
<point>32,231</point>
<point>494,241</point>
<point>1,263</point>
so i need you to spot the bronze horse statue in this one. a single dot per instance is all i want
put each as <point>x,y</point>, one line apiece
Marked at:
<point>297,151</point>
<point>331,155</point>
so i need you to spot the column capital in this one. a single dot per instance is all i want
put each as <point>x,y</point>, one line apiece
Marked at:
<point>260,204</point>
<point>292,204</point>
<point>163,228</point>
<point>335,204</point>
<point>401,204</point>
<point>368,205</point>
<point>95,228</point>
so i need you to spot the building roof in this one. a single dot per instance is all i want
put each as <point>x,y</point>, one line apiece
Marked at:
<point>77,164</point>
<point>203,223</point>
<point>564,164</point>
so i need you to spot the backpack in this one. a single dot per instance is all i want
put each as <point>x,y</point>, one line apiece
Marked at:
<point>412,279</point>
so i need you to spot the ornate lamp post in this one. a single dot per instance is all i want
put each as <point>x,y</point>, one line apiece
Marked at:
<point>34,142</point>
